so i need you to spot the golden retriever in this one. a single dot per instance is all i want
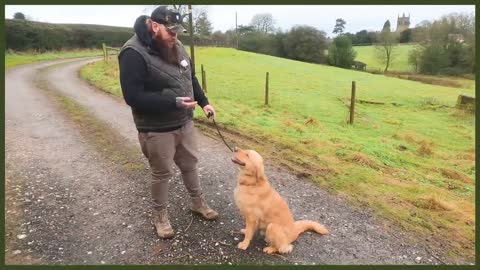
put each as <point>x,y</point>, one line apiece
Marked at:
<point>264,209</point>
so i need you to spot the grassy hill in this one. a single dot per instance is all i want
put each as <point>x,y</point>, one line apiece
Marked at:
<point>411,159</point>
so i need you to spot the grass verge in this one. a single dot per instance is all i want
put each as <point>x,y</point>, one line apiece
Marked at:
<point>21,58</point>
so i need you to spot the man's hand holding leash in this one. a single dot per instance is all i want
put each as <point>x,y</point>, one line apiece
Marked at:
<point>209,111</point>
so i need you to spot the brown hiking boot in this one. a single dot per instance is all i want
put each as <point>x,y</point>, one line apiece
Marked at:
<point>200,206</point>
<point>162,225</point>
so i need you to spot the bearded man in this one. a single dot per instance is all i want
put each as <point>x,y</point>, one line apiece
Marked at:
<point>159,85</point>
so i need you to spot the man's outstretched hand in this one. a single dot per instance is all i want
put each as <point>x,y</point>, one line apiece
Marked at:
<point>185,103</point>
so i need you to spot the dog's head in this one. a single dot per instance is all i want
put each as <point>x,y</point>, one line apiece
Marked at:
<point>250,162</point>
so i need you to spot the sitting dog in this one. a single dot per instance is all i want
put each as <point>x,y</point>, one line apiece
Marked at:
<point>264,209</point>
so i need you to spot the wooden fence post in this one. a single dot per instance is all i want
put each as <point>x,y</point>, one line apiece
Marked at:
<point>266,89</point>
<point>192,41</point>
<point>104,48</point>
<point>352,103</point>
<point>205,80</point>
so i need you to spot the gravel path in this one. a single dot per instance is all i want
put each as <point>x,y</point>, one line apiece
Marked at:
<point>66,204</point>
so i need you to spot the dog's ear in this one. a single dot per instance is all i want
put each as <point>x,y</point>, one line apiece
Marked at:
<point>260,171</point>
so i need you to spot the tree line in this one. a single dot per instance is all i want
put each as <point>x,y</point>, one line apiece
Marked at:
<point>444,46</point>
<point>23,35</point>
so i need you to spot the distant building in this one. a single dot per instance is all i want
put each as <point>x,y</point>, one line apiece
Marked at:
<point>403,23</point>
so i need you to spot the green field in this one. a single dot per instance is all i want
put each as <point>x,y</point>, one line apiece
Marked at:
<point>413,161</point>
<point>366,54</point>
<point>15,59</point>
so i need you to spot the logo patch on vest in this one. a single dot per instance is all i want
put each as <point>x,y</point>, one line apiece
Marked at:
<point>184,63</point>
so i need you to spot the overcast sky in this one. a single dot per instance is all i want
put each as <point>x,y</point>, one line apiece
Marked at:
<point>322,17</point>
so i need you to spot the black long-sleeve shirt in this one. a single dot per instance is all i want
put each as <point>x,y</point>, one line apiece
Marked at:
<point>133,72</point>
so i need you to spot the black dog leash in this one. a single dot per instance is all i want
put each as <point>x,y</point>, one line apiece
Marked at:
<point>208,116</point>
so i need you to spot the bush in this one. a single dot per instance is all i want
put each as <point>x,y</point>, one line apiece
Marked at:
<point>459,58</point>
<point>271,45</point>
<point>433,59</point>
<point>340,53</point>
<point>301,43</point>
<point>454,59</point>
<point>414,58</point>
<point>306,43</point>
<point>250,42</point>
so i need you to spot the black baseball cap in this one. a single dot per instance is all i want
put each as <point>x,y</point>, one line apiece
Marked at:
<point>169,17</point>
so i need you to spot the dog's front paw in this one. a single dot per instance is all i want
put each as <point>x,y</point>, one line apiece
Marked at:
<point>243,245</point>
<point>285,249</point>
<point>269,250</point>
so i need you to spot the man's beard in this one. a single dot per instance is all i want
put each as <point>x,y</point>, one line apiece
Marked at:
<point>167,54</point>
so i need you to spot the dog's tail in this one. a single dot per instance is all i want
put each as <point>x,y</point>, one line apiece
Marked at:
<point>308,225</point>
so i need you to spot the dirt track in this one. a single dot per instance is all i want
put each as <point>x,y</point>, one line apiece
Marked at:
<point>67,204</point>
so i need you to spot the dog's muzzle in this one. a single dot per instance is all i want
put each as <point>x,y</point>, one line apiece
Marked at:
<point>237,161</point>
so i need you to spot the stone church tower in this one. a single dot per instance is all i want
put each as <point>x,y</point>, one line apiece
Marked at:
<point>403,23</point>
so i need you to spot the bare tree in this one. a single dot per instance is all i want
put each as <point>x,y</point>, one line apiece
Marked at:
<point>384,49</point>
<point>201,24</point>
<point>263,23</point>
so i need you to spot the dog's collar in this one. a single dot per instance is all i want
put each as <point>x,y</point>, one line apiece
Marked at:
<point>248,185</point>
<point>249,175</point>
